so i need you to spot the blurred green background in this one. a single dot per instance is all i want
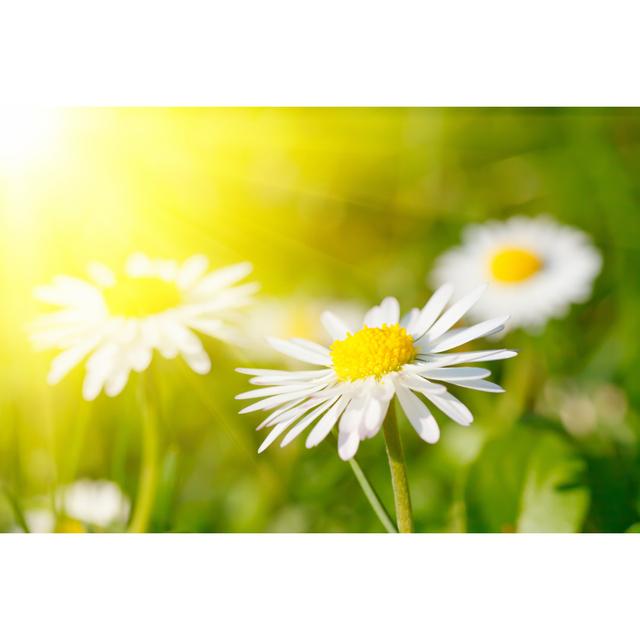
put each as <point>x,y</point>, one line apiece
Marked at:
<point>333,207</point>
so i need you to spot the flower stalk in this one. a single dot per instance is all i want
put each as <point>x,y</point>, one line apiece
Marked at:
<point>399,481</point>
<point>372,496</point>
<point>149,469</point>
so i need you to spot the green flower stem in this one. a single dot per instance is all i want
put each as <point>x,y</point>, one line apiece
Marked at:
<point>149,469</point>
<point>16,507</point>
<point>398,469</point>
<point>372,496</point>
<point>77,441</point>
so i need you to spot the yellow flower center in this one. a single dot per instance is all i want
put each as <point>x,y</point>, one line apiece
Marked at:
<point>139,297</point>
<point>514,264</point>
<point>372,352</point>
<point>69,525</point>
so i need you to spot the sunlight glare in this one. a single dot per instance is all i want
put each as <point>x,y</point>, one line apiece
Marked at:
<point>25,134</point>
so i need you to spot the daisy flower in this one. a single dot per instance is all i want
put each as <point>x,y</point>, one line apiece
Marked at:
<point>363,370</point>
<point>535,267</point>
<point>94,504</point>
<point>116,321</point>
<point>98,503</point>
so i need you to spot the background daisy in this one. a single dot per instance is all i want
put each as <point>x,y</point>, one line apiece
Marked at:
<point>119,320</point>
<point>97,503</point>
<point>79,507</point>
<point>535,267</point>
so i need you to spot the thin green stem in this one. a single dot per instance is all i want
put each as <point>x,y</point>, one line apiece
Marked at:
<point>16,507</point>
<point>372,496</point>
<point>149,470</point>
<point>398,470</point>
<point>77,441</point>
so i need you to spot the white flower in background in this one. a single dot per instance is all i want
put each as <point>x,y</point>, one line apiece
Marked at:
<point>85,503</point>
<point>535,267</point>
<point>363,370</point>
<point>594,410</point>
<point>292,316</point>
<point>117,320</point>
<point>40,520</point>
<point>99,503</point>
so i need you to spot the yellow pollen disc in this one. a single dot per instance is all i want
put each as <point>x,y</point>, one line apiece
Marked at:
<point>139,297</point>
<point>68,525</point>
<point>514,264</point>
<point>372,352</point>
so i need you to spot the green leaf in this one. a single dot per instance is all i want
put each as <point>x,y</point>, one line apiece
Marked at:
<point>529,480</point>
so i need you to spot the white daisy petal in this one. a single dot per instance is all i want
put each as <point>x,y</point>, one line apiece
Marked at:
<point>222,278</point>
<point>101,274</point>
<point>140,357</point>
<point>457,337</point>
<point>276,416</point>
<point>312,346</point>
<point>116,382</point>
<point>353,415</point>
<point>460,373</point>
<point>191,271</point>
<point>453,314</point>
<point>326,423</point>
<point>410,319</point>
<point>479,385</point>
<point>299,352</point>
<point>273,434</point>
<point>198,361</point>
<point>348,442</point>
<point>452,407</point>
<point>320,374</point>
<point>139,265</point>
<point>273,401</point>
<point>440,360</point>
<point>334,326</point>
<point>420,384</point>
<point>419,416</point>
<point>294,412</point>
<point>210,327</point>
<point>373,317</point>
<point>431,310</point>
<point>69,292</point>
<point>295,431</point>
<point>390,310</point>
<point>274,391</point>
<point>92,384</point>
<point>375,413</point>
<point>276,373</point>
<point>63,363</point>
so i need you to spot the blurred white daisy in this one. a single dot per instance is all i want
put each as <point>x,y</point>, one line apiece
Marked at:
<point>117,320</point>
<point>363,370</point>
<point>98,503</point>
<point>40,520</point>
<point>535,267</point>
